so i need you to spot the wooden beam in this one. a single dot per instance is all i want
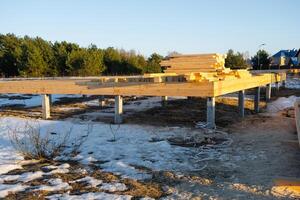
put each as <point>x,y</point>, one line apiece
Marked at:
<point>201,89</point>
<point>197,88</point>
<point>230,86</point>
<point>45,106</point>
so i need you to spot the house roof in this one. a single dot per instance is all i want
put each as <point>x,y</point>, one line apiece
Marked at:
<point>298,53</point>
<point>294,61</point>
<point>287,53</point>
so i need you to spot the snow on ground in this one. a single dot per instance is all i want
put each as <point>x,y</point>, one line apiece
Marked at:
<point>121,149</point>
<point>96,195</point>
<point>128,107</point>
<point>293,83</point>
<point>89,180</point>
<point>29,100</point>
<point>113,187</point>
<point>9,159</point>
<point>5,189</point>
<point>54,185</point>
<point>281,103</point>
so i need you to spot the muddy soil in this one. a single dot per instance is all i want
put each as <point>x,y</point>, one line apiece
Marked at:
<point>262,151</point>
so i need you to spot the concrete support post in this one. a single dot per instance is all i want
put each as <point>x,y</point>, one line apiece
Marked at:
<point>50,99</point>
<point>277,86</point>
<point>164,100</point>
<point>283,84</point>
<point>45,106</point>
<point>242,103</point>
<point>210,113</point>
<point>268,92</point>
<point>102,101</point>
<point>118,109</point>
<point>256,99</point>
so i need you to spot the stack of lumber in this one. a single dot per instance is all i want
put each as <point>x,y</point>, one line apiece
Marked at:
<point>184,64</point>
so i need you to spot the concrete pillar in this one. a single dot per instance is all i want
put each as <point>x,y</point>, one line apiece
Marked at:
<point>210,113</point>
<point>277,86</point>
<point>118,109</point>
<point>283,84</point>
<point>102,101</point>
<point>164,100</point>
<point>268,92</point>
<point>50,99</point>
<point>45,106</point>
<point>256,99</point>
<point>242,103</point>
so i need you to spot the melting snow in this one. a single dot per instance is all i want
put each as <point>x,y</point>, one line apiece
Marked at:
<point>54,185</point>
<point>89,180</point>
<point>113,187</point>
<point>90,196</point>
<point>281,104</point>
<point>5,189</point>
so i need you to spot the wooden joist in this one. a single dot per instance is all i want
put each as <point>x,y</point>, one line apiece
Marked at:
<point>195,84</point>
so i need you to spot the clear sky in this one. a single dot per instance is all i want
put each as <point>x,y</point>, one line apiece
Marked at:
<point>185,26</point>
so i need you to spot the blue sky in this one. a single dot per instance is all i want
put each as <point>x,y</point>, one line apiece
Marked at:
<point>185,26</point>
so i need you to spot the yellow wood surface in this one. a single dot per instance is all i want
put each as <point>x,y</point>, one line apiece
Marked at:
<point>198,85</point>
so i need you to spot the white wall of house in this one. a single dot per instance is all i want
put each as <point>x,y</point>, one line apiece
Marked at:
<point>279,61</point>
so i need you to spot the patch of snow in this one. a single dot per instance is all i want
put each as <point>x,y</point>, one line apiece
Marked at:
<point>113,187</point>
<point>281,104</point>
<point>293,83</point>
<point>55,185</point>
<point>89,180</point>
<point>4,167</point>
<point>60,169</point>
<point>5,189</point>
<point>25,177</point>
<point>30,100</point>
<point>9,158</point>
<point>90,196</point>
<point>133,146</point>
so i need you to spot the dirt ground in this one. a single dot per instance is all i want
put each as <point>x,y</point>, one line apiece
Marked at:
<point>262,151</point>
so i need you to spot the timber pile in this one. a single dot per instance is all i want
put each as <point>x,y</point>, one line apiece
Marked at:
<point>185,64</point>
<point>180,68</point>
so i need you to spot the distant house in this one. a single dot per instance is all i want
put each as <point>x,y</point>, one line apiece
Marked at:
<point>286,58</point>
<point>298,57</point>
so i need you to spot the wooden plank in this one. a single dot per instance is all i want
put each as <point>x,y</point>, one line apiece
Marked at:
<point>230,86</point>
<point>289,186</point>
<point>194,55</point>
<point>128,89</point>
<point>203,85</point>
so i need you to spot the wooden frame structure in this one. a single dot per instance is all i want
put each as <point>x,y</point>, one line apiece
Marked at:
<point>206,85</point>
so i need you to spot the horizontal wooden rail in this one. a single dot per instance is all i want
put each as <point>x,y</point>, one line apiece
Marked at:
<point>78,85</point>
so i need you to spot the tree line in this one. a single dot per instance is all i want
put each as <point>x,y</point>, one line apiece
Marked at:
<point>36,57</point>
<point>237,60</point>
